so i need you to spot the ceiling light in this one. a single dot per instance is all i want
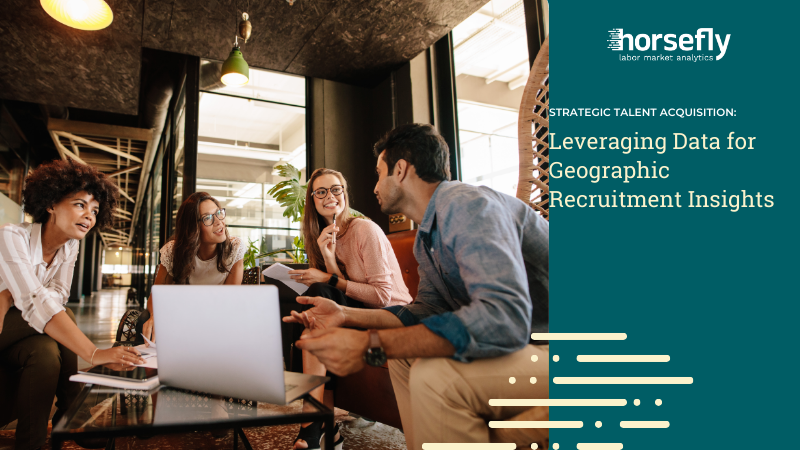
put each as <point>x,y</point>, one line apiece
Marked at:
<point>120,248</point>
<point>81,14</point>
<point>117,253</point>
<point>235,71</point>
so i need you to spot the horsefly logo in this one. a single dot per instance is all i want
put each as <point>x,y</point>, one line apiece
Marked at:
<point>703,40</point>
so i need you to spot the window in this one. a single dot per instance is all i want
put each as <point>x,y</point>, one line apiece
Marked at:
<point>244,132</point>
<point>491,58</point>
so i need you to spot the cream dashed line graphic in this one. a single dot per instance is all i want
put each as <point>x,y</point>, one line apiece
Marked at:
<point>599,446</point>
<point>578,402</point>
<point>644,424</point>
<point>623,358</point>
<point>579,336</point>
<point>557,402</point>
<point>495,446</point>
<point>623,380</point>
<point>535,424</point>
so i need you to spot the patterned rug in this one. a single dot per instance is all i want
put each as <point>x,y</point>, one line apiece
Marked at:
<point>358,435</point>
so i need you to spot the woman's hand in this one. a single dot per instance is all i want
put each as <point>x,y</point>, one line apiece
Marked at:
<point>309,276</point>
<point>117,355</point>
<point>148,329</point>
<point>327,242</point>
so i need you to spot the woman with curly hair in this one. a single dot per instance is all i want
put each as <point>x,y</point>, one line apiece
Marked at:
<point>351,262</point>
<point>200,252</point>
<point>39,341</point>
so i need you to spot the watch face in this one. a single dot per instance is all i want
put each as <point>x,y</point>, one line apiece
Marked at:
<point>375,357</point>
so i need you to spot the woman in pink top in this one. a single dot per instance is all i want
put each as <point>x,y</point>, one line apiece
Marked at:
<point>351,262</point>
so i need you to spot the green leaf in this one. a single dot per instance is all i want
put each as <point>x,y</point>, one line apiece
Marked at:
<point>290,194</point>
<point>249,260</point>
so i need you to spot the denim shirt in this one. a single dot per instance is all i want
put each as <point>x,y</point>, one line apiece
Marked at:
<point>483,267</point>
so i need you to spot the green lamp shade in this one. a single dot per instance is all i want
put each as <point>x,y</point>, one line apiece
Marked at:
<point>235,71</point>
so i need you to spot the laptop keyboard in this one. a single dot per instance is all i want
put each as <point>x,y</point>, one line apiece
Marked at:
<point>289,387</point>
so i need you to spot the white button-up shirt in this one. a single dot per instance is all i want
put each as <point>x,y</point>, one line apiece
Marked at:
<point>39,291</point>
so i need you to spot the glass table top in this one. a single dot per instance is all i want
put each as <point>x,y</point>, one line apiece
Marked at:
<point>107,409</point>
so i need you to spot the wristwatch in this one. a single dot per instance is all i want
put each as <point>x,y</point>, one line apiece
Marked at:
<point>333,280</point>
<point>375,356</point>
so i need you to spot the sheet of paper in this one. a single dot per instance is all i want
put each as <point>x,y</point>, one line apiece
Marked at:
<point>281,273</point>
<point>146,351</point>
<point>149,361</point>
<point>149,342</point>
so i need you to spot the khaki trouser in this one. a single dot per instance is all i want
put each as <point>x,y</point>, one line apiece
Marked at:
<point>34,368</point>
<point>445,401</point>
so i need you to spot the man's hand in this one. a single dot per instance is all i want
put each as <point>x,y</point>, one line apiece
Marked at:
<point>341,350</point>
<point>325,313</point>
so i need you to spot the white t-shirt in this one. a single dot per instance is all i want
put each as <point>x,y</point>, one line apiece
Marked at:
<point>205,272</point>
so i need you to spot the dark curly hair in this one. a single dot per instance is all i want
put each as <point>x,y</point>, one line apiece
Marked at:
<point>53,181</point>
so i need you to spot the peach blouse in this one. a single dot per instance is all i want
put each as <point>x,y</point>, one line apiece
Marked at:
<point>373,273</point>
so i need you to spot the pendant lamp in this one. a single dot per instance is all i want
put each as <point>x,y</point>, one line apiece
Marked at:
<point>81,14</point>
<point>235,71</point>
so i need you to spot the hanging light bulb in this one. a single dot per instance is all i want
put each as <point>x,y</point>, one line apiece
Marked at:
<point>81,14</point>
<point>235,71</point>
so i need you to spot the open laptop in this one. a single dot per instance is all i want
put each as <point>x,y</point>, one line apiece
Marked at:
<point>225,340</point>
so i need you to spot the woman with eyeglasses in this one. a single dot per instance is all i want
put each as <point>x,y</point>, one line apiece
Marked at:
<point>200,251</point>
<point>350,262</point>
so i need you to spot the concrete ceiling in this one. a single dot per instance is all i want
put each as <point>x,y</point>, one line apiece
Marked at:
<point>352,41</point>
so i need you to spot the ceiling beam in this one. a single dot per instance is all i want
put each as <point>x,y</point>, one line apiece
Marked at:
<point>99,129</point>
<point>96,145</point>
<point>125,170</point>
<point>63,151</point>
<point>497,74</point>
<point>125,194</point>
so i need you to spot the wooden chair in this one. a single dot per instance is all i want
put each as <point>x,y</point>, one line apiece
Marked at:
<point>369,392</point>
<point>534,136</point>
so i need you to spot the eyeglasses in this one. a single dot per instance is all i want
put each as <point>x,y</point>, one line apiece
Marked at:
<point>321,193</point>
<point>208,219</point>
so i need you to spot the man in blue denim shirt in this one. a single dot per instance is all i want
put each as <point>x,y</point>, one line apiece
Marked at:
<point>483,265</point>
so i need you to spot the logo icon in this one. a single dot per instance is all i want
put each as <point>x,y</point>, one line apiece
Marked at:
<point>615,43</point>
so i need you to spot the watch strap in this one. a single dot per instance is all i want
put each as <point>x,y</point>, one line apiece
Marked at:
<point>333,280</point>
<point>374,339</point>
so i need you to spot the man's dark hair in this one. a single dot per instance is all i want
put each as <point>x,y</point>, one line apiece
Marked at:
<point>53,181</point>
<point>421,146</point>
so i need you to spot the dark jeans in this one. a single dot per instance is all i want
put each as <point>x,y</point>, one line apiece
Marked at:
<point>34,368</point>
<point>290,332</point>
<point>330,292</point>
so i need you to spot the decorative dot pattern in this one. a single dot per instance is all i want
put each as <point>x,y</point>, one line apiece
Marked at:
<point>534,358</point>
<point>533,380</point>
<point>637,402</point>
<point>555,358</point>
<point>598,424</point>
<point>555,446</point>
<point>513,380</point>
<point>658,402</point>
